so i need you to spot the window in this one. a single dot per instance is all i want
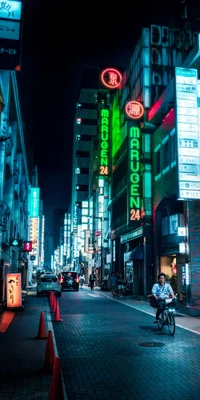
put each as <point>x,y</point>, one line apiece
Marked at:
<point>157,162</point>
<point>166,154</point>
<point>84,154</point>
<point>173,148</point>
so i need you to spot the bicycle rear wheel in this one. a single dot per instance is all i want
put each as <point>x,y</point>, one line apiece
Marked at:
<point>161,322</point>
<point>171,324</point>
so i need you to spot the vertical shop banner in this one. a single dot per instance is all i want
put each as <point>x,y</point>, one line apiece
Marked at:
<point>134,174</point>
<point>10,34</point>
<point>104,142</point>
<point>34,202</point>
<point>14,291</point>
<point>188,141</point>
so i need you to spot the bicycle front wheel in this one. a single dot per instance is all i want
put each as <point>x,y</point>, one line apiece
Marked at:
<point>171,324</point>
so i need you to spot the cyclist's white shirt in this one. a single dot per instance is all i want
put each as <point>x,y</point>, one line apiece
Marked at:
<point>162,291</point>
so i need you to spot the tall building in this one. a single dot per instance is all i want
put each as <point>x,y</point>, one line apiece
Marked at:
<point>140,212</point>
<point>58,220</point>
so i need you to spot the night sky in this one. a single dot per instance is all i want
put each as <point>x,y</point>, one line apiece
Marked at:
<point>58,40</point>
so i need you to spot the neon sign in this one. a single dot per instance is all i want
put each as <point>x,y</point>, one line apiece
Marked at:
<point>104,142</point>
<point>134,168</point>
<point>111,78</point>
<point>134,109</point>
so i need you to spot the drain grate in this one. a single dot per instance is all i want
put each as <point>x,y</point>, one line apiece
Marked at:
<point>151,344</point>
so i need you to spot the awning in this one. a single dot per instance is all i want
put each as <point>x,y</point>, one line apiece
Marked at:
<point>136,253</point>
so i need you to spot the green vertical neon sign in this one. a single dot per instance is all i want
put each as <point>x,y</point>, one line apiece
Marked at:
<point>104,142</point>
<point>134,173</point>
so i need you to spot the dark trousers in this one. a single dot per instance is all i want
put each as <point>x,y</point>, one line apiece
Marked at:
<point>160,307</point>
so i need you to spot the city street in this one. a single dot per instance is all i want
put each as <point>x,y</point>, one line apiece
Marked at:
<point>110,350</point>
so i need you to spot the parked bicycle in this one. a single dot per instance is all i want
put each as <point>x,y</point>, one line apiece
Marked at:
<point>167,315</point>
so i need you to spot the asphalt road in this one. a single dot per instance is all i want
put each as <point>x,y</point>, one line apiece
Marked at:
<point>109,350</point>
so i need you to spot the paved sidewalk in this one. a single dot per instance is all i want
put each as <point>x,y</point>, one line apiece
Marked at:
<point>22,355</point>
<point>183,320</point>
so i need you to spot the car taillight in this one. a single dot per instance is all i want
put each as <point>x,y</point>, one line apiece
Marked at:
<point>61,280</point>
<point>77,280</point>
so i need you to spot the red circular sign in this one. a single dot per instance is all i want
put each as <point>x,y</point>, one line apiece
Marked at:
<point>111,78</point>
<point>134,109</point>
<point>97,233</point>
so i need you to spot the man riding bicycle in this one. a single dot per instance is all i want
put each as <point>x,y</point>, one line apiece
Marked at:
<point>161,290</point>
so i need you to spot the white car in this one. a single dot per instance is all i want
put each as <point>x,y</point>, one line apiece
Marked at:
<point>47,283</point>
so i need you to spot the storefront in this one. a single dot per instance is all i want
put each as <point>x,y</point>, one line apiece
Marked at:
<point>132,248</point>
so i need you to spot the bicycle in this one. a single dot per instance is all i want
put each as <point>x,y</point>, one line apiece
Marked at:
<point>167,315</point>
<point>116,292</point>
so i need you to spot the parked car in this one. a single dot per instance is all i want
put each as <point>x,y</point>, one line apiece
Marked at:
<point>69,280</point>
<point>47,283</point>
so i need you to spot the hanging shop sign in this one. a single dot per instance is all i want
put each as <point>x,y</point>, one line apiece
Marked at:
<point>104,141</point>
<point>111,78</point>
<point>134,110</point>
<point>188,140</point>
<point>14,292</point>
<point>27,245</point>
<point>11,19</point>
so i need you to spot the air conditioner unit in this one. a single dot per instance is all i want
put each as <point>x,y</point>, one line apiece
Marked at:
<point>195,37</point>
<point>156,34</point>
<point>165,36</point>
<point>187,42</point>
<point>176,38</point>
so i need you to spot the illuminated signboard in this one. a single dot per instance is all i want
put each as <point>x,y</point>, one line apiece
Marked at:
<point>111,78</point>
<point>34,202</point>
<point>134,174</point>
<point>134,109</point>
<point>104,142</point>
<point>27,246</point>
<point>11,10</point>
<point>10,34</point>
<point>13,288</point>
<point>187,124</point>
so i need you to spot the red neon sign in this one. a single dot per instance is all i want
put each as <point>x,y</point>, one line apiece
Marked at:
<point>28,245</point>
<point>134,109</point>
<point>111,78</point>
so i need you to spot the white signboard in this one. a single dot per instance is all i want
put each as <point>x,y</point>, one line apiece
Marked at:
<point>11,10</point>
<point>9,30</point>
<point>188,141</point>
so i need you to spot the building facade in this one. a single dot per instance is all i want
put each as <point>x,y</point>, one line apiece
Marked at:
<point>143,202</point>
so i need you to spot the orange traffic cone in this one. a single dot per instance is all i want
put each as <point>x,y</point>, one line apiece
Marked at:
<point>57,313</point>
<point>49,354</point>
<point>41,329</point>
<point>56,388</point>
